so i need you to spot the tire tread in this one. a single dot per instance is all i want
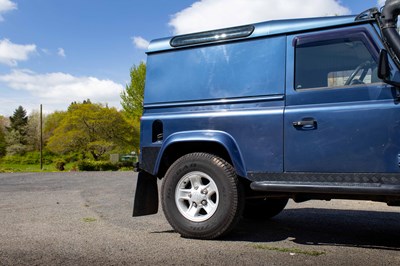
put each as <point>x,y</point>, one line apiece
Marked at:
<point>234,214</point>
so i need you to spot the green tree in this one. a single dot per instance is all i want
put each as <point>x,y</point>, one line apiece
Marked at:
<point>51,122</point>
<point>19,120</point>
<point>135,131</point>
<point>92,128</point>
<point>132,96</point>
<point>16,136</point>
<point>3,144</point>
<point>15,141</point>
<point>33,131</point>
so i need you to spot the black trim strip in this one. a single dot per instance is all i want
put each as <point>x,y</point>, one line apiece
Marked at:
<point>328,178</point>
<point>218,101</point>
<point>212,36</point>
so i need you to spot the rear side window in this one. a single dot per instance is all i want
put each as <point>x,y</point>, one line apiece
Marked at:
<point>334,60</point>
<point>228,70</point>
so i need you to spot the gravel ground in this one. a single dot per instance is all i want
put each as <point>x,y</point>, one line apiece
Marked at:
<point>81,218</point>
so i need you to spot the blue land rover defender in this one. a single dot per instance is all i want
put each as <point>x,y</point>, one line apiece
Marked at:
<point>237,121</point>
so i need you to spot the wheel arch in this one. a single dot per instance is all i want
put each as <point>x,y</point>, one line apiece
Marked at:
<point>214,142</point>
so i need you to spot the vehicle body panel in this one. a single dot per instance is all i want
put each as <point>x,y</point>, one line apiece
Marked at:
<point>357,126</point>
<point>295,106</point>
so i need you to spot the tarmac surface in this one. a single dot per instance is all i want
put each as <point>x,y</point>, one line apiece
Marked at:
<point>84,218</point>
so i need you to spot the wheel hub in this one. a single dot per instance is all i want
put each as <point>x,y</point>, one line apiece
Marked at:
<point>196,196</point>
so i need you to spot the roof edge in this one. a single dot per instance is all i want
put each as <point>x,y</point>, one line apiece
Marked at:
<point>267,28</point>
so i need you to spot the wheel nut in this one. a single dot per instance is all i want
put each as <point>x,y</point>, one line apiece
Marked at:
<point>204,202</point>
<point>204,192</point>
<point>195,204</point>
<point>190,195</point>
<point>196,187</point>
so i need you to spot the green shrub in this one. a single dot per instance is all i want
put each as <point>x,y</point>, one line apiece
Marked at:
<point>31,158</point>
<point>74,167</point>
<point>8,159</point>
<point>86,165</point>
<point>72,157</point>
<point>126,164</point>
<point>16,149</point>
<point>28,158</point>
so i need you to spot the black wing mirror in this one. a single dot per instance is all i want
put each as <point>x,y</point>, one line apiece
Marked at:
<point>383,66</point>
<point>384,72</point>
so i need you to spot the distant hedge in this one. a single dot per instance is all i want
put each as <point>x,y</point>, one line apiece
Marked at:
<point>86,165</point>
<point>28,158</point>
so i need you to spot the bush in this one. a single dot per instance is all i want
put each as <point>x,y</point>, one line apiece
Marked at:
<point>72,157</point>
<point>28,158</point>
<point>86,165</point>
<point>18,159</point>
<point>16,149</point>
<point>60,165</point>
<point>126,164</point>
<point>31,158</point>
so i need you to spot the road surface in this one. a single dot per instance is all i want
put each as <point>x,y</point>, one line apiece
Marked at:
<point>84,218</point>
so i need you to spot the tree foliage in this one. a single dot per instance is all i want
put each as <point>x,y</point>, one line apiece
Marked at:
<point>132,96</point>
<point>33,131</point>
<point>51,122</point>
<point>16,137</point>
<point>19,120</point>
<point>93,128</point>
<point>3,144</point>
<point>15,143</point>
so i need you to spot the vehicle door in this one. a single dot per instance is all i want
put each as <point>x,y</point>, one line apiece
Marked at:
<point>339,117</point>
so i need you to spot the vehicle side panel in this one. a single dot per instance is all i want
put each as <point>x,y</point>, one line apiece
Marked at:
<point>235,88</point>
<point>356,127</point>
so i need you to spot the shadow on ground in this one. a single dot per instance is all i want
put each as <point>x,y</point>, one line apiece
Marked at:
<point>309,226</point>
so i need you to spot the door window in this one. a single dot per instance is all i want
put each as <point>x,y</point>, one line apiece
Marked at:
<point>334,61</point>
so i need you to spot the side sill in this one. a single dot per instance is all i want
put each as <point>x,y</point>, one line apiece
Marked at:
<point>327,188</point>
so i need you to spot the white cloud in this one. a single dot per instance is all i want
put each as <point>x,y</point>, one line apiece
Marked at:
<point>212,14</point>
<point>11,53</point>
<point>45,51</point>
<point>140,42</point>
<point>5,6</point>
<point>61,52</point>
<point>57,90</point>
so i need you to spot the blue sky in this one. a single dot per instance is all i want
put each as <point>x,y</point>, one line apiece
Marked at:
<point>54,52</point>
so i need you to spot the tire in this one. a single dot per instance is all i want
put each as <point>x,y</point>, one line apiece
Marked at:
<point>263,209</point>
<point>201,196</point>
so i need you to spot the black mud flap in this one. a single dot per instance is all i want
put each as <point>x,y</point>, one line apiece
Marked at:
<point>146,195</point>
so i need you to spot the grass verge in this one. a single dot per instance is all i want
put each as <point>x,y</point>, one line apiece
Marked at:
<point>11,168</point>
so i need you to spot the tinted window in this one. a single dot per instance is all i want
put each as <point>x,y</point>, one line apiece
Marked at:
<point>334,62</point>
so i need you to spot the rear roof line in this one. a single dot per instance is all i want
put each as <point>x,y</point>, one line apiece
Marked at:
<point>268,28</point>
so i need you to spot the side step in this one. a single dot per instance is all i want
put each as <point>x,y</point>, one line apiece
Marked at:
<point>327,188</point>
